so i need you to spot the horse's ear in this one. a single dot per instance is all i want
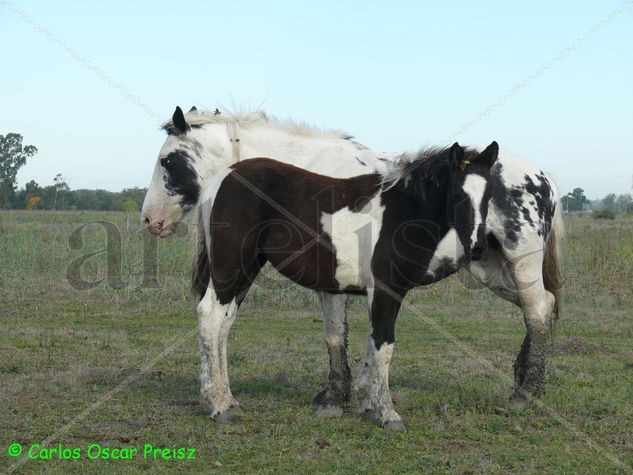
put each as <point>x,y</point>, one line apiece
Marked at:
<point>456,156</point>
<point>193,109</point>
<point>489,156</point>
<point>178,119</point>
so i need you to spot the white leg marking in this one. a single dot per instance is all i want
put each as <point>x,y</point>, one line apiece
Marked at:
<point>334,315</point>
<point>371,385</point>
<point>215,321</point>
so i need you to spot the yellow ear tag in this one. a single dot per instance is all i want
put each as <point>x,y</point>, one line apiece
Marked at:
<point>466,162</point>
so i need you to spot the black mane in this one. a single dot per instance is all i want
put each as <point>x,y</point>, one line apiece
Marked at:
<point>429,165</point>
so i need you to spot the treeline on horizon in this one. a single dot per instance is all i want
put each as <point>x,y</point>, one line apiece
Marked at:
<point>607,208</point>
<point>60,197</point>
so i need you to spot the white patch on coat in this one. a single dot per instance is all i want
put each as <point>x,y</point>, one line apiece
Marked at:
<point>207,198</point>
<point>354,235</point>
<point>450,247</point>
<point>474,186</point>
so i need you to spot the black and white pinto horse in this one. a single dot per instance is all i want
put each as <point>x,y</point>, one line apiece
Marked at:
<point>520,262</point>
<point>419,223</point>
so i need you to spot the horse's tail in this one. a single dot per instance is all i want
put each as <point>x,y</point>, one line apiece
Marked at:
<point>200,269</point>
<point>552,276</point>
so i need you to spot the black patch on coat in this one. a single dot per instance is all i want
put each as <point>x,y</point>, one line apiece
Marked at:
<point>507,202</point>
<point>514,204</point>
<point>181,178</point>
<point>545,206</point>
<point>493,242</point>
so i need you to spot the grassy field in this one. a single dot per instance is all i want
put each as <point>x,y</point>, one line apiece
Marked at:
<point>117,364</point>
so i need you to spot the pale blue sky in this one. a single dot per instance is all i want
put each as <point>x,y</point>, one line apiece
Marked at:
<point>396,74</point>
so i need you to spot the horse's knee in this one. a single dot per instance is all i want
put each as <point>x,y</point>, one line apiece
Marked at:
<point>213,316</point>
<point>207,305</point>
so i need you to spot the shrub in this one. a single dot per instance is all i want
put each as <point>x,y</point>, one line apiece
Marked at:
<point>603,214</point>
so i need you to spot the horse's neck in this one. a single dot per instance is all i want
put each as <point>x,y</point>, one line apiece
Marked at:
<point>430,206</point>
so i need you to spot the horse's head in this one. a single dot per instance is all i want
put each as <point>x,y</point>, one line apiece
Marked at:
<point>471,188</point>
<point>192,152</point>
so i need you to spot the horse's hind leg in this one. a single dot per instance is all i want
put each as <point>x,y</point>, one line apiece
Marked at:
<point>518,279</point>
<point>329,401</point>
<point>538,310</point>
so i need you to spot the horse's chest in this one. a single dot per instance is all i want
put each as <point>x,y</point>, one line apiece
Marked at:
<point>353,234</point>
<point>447,256</point>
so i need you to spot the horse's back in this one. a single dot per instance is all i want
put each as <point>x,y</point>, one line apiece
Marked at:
<point>291,183</point>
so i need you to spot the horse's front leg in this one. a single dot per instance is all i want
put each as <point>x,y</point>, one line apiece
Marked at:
<point>329,401</point>
<point>215,320</point>
<point>371,386</point>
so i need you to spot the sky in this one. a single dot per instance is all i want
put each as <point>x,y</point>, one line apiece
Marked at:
<point>395,74</point>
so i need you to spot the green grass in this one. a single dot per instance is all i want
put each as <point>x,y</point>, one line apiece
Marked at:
<point>119,366</point>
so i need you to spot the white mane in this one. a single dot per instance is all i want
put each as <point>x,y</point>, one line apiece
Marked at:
<point>259,118</point>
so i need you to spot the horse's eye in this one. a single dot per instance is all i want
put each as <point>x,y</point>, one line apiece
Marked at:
<point>165,162</point>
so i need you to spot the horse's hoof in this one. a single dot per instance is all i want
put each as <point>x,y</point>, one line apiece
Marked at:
<point>328,411</point>
<point>397,426</point>
<point>327,398</point>
<point>224,417</point>
<point>227,416</point>
<point>518,399</point>
<point>371,416</point>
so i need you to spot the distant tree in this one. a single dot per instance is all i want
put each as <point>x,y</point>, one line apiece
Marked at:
<point>32,194</point>
<point>31,201</point>
<point>574,200</point>
<point>13,156</point>
<point>608,202</point>
<point>129,206</point>
<point>49,196</point>
<point>135,194</point>
<point>624,203</point>
<point>61,189</point>
<point>33,187</point>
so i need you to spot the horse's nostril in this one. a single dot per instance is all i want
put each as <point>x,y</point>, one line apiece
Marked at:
<point>145,220</point>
